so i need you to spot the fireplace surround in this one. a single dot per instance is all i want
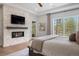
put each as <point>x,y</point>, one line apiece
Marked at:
<point>17,34</point>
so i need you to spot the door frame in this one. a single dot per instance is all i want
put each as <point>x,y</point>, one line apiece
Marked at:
<point>36,27</point>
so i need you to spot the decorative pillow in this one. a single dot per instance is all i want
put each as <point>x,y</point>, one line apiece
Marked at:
<point>77,37</point>
<point>72,37</point>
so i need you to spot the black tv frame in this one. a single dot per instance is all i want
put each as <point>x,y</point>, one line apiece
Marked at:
<point>15,19</point>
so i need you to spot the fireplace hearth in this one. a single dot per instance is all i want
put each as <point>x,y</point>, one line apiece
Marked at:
<point>17,34</point>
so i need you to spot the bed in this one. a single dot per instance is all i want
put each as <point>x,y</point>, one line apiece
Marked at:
<point>57,46</point>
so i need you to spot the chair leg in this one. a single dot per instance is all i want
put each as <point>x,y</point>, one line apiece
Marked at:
<point>30,51</point>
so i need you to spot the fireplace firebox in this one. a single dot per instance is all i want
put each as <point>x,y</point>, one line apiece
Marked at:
<point>17,34</point>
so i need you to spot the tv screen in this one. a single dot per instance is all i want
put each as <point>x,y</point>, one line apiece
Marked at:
<point>17,19</point>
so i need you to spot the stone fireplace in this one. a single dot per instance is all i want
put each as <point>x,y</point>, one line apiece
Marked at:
<point>12,34</point>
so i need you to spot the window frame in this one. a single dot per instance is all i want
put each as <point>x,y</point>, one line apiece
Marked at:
<point>63,18</point>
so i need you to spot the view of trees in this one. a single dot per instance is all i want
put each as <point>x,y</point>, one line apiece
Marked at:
<point>70,25</point>
<point>64,26</point>
<point>33,29</point>
<point>59,27</point>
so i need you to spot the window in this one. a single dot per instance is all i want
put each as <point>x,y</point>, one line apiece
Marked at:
<point>33,28</point>
<point>58,27</point>
<point>65,26</point>
<point>70,25</point>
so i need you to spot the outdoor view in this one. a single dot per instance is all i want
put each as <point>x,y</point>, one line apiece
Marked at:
<point>65,26</point>
<point>33,29</point>
<point>59,26</point>
<point>70,25</point>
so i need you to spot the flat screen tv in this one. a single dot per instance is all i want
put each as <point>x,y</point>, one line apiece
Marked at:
<point>15,19</point>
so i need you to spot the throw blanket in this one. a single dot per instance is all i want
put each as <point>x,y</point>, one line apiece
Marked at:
<point>37,43</point>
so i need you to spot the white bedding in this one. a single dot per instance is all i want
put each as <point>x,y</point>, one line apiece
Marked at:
<point>37,43</point>
<point>60,46</point>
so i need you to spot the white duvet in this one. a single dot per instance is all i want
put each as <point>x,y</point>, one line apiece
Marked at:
<point>60,46</point>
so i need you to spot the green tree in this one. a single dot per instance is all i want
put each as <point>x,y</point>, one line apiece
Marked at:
<point>69,26</point>
<point>33,28</point>
<point>59,27</point>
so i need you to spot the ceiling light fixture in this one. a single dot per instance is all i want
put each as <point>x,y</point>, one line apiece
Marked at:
<point>40,4</point>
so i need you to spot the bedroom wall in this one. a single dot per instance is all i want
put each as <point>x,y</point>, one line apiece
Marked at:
<point>41,19</point>
<point>44,19</point>
<point>8,40</point>
<point>1,25</point>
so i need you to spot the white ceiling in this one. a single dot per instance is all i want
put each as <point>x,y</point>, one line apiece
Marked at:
<point>36,8</point>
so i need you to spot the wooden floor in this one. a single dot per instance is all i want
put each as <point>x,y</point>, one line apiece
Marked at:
<point>11,49</point>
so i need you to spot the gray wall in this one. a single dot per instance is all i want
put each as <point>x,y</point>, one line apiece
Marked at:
<point>1,26</point>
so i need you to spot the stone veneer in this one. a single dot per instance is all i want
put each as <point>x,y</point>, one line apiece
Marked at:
<point>7,39</point>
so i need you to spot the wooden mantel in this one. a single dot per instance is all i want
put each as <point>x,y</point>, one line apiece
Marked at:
<point>10,27</point>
